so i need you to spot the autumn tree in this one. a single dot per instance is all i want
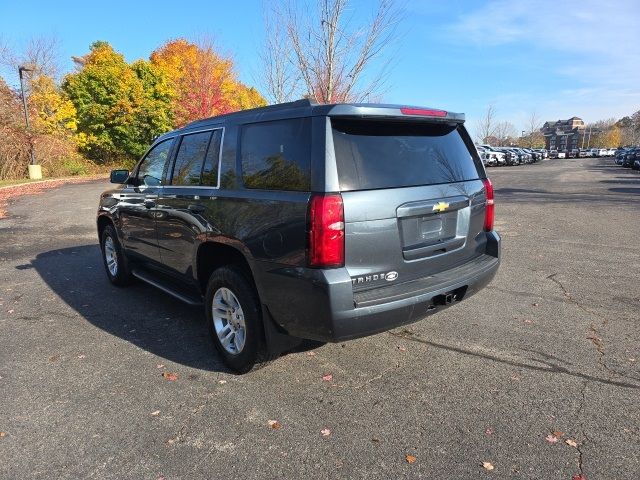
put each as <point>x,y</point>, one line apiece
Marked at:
<point>120,107</point>
<point>629,129</point>
<point>204,81</point>
<point>331,59</point>
<point>54,112</point>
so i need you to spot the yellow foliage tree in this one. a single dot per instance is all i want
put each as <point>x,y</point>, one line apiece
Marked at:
<point>55,113</point>
<point>204,81</point>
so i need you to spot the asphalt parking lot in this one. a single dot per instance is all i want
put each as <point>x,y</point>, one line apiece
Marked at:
<point>552,345</point>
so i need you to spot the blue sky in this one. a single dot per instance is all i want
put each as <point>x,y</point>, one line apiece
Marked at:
<point>557,58</point>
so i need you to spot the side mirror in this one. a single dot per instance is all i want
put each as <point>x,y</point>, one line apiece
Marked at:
<point>119,176</point>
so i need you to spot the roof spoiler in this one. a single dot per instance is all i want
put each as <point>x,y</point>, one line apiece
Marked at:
<point>397,112</point>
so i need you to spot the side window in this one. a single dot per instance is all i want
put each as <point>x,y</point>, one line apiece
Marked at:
<point>151,168</point>
<point>190,158</point>
<point>210,168</point>
<point>277,155</point>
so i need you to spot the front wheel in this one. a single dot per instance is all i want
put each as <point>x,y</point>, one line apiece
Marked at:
<point>235,321</point>
<point>115,262</point>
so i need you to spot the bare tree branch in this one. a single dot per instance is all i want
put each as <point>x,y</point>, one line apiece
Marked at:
<point>330,56</point>
<point>486,126</point>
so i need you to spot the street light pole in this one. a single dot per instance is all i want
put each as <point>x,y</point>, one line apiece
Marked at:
<point>26,112</point>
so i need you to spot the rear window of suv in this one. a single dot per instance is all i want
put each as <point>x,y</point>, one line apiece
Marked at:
<point>276,155</point>
<point>373,154</point>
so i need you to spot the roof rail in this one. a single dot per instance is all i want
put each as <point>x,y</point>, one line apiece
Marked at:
<point>304,102</point>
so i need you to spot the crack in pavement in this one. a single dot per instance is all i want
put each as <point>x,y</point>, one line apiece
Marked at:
<point>584,434</point>
<point>548,368</point>
<point>594,335</point>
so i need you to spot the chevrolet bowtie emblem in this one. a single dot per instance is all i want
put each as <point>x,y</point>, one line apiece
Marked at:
<point>440,207</point>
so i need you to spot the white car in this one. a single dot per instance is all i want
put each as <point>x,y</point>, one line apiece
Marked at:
<point>611,152</point>
<point>562,155</point>
<point>601,152</point>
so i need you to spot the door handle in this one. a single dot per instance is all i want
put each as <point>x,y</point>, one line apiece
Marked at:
<point>149,203</point>
<point>196,208</point>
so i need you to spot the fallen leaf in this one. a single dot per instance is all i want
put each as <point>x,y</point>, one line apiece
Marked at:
<point>557,433</point>
<point>3,434</point>
<point>10,311</point>
<point>172,377</point>
<point>579,477</point>
<point>156,413</point>
<point>274,424</point>
<point>325,432</point>
<point>528,321</point>
<point>160,366</point>
<point>410,459</point>
<point>534,304</point>
<point>311,353</point>
<point>551,438</point>
<point>54,358</point>
<point>375,440</point>
<point>81,356</point>
<point>489,431</point>
<point>222,382</point>
<point>327,377</point>
<point>487,466</point>
<point>571,443</point>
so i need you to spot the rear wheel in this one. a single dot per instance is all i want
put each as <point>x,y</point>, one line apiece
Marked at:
<point>235,320</point>
<point>115,263</point>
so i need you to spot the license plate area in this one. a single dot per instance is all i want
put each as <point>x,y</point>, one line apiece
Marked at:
<point>426,232</point>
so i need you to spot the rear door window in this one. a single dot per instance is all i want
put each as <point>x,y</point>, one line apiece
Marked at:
<point>212,160</point>
<point>373,154</point>
<point>190,158</point>
<point>277,155</point>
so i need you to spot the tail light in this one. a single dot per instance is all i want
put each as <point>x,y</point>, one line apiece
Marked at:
<point>489,214</point>
<point>326,231</point>
<point>423,111</point>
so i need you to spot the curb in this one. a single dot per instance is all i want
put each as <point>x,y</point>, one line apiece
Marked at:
<point>51,180</point>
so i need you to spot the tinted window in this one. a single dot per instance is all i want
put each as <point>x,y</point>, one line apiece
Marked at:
<point>210,169</point>
<point>152,167</point>
<point>374,154</point>
<point>276,155</point>
<point>190,159</point>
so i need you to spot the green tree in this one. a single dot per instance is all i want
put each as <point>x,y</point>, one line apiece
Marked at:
<point>120,107</point>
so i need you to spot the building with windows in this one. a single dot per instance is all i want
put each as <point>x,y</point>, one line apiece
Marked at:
<point>565,134</point>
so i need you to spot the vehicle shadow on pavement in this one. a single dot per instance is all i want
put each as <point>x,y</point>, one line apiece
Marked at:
<point>139,314</point>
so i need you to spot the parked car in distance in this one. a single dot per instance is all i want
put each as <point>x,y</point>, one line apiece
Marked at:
<point>583,153</point>
<point>305,221</point>
<point>630,157</point>
<point>553,153</point>
<point>573,153</point>
<point>561,154</point>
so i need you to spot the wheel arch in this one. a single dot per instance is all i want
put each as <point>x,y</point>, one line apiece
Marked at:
<point>212,255</point>
<point>102,222</point>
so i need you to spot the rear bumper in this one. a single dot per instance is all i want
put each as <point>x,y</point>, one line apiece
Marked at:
<point>321,304</point>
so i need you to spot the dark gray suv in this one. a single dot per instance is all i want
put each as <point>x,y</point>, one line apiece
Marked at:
<point>305,221</point>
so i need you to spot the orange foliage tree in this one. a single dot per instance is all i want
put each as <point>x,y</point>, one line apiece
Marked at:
<point>204,81</point>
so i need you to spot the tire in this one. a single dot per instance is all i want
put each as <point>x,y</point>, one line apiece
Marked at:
<point>238,319</point>
<point>115,262</point>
